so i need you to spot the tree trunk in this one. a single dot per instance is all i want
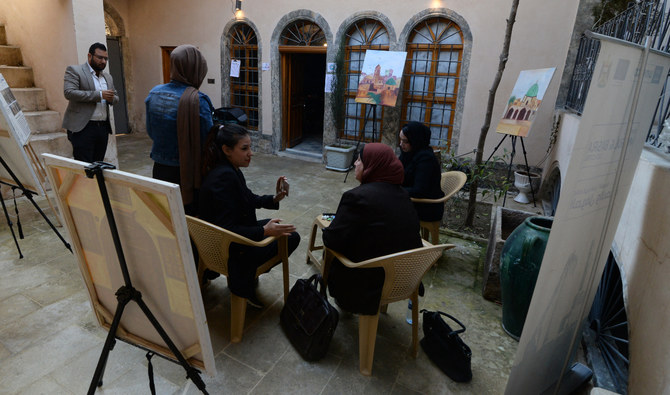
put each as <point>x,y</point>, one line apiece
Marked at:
<point>472,202</point>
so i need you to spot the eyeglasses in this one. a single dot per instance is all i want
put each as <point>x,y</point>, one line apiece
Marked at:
<point>101,57</point>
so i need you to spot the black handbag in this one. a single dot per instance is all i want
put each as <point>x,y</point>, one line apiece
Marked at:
<point>308,319</point>
<point>444,347</point>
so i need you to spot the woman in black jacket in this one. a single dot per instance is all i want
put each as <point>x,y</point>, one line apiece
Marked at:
<point>226,201</point>
<point>372,220</point>
<point>422,170</point>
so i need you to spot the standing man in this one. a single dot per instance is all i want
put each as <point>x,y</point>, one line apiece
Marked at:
<point>90,93</point>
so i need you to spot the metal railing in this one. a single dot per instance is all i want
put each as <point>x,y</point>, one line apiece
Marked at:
<point>646,18</point>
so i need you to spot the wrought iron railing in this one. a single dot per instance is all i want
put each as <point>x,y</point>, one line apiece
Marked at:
<point>647,18</point>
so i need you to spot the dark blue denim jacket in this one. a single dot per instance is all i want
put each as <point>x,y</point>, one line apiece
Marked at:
<point>162,104</point>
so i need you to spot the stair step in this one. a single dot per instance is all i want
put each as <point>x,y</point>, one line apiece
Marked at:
<point>53,143</point>
<point>18,76</point>
<point>3,35</point>
<point>10,55</point>
<point>31,99</point>
<point>41,122</point>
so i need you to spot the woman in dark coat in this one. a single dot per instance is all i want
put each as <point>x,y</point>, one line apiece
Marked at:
<point>422,170</point>
<point>372,220</point>
<point>226,201</point>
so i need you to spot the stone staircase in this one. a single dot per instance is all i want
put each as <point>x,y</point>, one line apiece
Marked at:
<point>45,125</point>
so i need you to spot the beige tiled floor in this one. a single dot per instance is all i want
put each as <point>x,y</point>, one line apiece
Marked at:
<point>50,341</point>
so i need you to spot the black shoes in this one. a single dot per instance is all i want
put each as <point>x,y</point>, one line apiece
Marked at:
<point>254,302</point>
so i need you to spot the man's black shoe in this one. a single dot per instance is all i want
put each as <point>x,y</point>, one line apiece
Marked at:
<point>254,302</point>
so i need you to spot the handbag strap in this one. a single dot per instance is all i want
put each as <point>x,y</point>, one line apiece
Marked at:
<point>452,318</point>
<point>317,281</point>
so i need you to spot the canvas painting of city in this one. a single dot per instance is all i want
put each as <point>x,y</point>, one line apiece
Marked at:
<point>379,82</point>
<point>525,101</point>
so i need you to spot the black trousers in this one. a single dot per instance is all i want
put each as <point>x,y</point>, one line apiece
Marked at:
<point>244,261</point>
<point>90,143</point>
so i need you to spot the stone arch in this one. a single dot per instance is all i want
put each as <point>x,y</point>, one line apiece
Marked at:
<point>113,21</point>
<point>330,132</point>
<point>465,64</point>
<point>256,135</point>
<point>275,57</point>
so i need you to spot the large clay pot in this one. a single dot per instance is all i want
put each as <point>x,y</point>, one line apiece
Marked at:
<point>520,262</point>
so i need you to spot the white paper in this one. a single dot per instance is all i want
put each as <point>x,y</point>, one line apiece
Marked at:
<point>235,68</point>
<point>330,67</point>
<point>265,66</point>
<point>329,82</point>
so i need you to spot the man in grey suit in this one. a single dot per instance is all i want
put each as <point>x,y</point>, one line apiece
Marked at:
<point>90,92</point>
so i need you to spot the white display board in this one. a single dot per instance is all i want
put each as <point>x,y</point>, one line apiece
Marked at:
<point>149,216</point>
<point>14,135</point>
<point>626,84</point>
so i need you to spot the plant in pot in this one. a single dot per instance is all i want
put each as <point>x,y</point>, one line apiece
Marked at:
<point>339,156</point>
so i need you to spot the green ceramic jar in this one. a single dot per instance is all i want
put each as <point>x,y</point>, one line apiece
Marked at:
<point>520,262</point>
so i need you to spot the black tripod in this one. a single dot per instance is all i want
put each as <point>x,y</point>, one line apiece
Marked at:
<point>29,194</point>
<point>127,293</point>
<point>511,160</point>
<point>373,108</point>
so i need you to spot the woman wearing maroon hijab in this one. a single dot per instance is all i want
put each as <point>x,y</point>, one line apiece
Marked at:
<point>374,219</point>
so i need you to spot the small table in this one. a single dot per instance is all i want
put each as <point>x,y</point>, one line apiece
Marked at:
<point>319,223</point>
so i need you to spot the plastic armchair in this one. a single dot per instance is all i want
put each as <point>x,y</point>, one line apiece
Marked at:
<point>403,272</point>
<point>450,183</point>
<point>213,243</point>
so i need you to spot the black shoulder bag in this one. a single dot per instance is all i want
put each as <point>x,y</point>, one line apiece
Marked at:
<point>308,319</point>
<point>444,347</point>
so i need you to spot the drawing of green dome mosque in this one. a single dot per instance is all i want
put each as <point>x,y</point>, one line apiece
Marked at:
<point>532,91</point>
<point>390,81</point>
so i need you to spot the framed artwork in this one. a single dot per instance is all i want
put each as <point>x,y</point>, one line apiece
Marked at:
<point>524,101</point>
<point>379,82</point>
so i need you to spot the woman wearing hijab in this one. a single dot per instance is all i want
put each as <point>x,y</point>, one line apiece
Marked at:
<point>422,170</point>
<point>178,119</point>
<point>372,220</point>
<point>226,201</point>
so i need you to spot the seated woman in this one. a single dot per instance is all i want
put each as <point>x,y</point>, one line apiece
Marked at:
<point>373,219</point>
<point>226,201</point>
<point>422,170</point>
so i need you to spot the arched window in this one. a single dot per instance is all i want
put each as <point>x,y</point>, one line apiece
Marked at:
<point>244,89</point>
<point>303,33</point>
<point>363,35</point>
<point>434,56</point>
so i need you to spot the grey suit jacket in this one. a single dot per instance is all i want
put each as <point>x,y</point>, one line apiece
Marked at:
<point>79,90</point>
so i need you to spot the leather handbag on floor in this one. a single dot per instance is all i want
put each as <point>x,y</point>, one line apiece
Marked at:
<point>444,347</point>
<point>308,319</point>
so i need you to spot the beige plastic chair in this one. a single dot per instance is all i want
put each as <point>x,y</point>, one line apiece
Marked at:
<point>450,183</point>
<point>213,243</point>
<point>403,273</point>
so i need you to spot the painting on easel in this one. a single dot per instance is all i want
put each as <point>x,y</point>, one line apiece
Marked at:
<point>524,102</point>
<point>379,82</point>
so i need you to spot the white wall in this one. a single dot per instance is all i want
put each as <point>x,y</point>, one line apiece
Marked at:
<point>643,253</point>
<point>540,39</point>
<point>44,31</point>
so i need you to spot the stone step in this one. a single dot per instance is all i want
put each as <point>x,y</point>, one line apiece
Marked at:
<point>3,35</point>
<point>53,143</point>
<point>31,99</point>
<point>10,55</point>
<point>42,122</point>
<point>18,76</point>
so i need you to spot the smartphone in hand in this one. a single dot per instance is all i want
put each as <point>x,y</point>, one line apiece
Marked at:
<point>285,186</point>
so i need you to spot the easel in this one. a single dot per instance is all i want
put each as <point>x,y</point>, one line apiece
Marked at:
<point>511,160</point>
<point>373,108</point>
<point>29,194</point>
<point>127,293</point>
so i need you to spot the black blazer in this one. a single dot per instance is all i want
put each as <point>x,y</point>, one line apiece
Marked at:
<point>372,220</point>
<point>226,201</point>
<point>422,180</point>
